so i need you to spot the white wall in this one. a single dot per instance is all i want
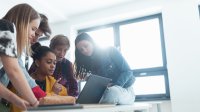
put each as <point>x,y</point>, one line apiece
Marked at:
<point>164,106</point>
<point>153,106</point>
<point>60,28</point>
<point>63,28</point>
<point>182,25</point>
<point>181,30</point>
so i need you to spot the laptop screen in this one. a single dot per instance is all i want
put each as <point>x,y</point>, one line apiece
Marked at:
<point>93,90</point>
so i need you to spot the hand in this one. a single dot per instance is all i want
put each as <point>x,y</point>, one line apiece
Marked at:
<point>34,104</point>
<point>57,87</point>
<point>22,104</point>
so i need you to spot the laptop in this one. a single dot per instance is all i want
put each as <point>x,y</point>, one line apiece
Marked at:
<point>93,90</point>
<point>90,94</point>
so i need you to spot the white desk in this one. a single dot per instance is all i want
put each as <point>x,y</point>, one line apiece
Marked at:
<point>93,108</point>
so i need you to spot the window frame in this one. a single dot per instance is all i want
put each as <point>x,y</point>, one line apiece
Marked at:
<point>199,10</point>
<point>147,71</point>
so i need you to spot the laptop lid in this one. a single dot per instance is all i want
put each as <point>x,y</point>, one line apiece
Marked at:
<point>93,90</point>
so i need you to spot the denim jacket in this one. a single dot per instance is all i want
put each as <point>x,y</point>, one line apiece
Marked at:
<point>111,64</point>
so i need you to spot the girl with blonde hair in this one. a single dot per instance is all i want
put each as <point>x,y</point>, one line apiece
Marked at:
<point>25,20</point>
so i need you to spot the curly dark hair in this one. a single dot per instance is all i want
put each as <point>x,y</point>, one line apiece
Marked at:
<point>39,51</point>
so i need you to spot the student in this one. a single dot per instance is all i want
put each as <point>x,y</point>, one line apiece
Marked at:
<point>107,63</point>
<point>44,29</point>
<point>17,12</point>
<point>64,70</point>
<point>45,61</point>
<point>21,15</point>
<point>9,52</point>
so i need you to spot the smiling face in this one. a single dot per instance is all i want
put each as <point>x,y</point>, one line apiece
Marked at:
<point>47,64</point>
<point>33,26</point>
<point>85,47</point>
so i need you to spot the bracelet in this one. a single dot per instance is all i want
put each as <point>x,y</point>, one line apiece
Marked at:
<point>34,103</point>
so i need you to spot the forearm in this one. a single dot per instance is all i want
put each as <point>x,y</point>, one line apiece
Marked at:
<point>6,94</point>
<point>29,79</point>
<point>17,78</point>
<point>123,78</point>
<point>123,70</point>
<point>21,85</point>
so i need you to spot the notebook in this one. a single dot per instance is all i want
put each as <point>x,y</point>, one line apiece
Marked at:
<point>93,90</point>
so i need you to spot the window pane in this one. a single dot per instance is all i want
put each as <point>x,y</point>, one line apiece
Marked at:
<point>141,44</point>
<point>149,85</point>
<point>103,37</point>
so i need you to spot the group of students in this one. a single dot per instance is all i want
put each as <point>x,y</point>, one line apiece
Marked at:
<point>51,73</point>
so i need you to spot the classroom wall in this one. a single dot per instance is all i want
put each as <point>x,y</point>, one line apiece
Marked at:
<point>164,106</point>
<point>63,27</point>
<point>182,25</point>
<point>181,29</point>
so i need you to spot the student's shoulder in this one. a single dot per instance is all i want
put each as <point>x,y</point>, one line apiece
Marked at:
<point>7,38</point>
<point>6,25</point>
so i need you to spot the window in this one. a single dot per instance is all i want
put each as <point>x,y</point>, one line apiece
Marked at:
<point>152,85</point>
<point>143,38</point>
<point>141,42</point>
<point>44,41</point>
<point>101,35</point>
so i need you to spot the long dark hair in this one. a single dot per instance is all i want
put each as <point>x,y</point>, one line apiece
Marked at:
<point>82,62</point>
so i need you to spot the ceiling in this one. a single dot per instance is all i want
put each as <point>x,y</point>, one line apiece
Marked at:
<point>59,10</point>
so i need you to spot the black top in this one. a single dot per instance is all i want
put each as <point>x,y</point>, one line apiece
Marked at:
<point>42,84</point>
